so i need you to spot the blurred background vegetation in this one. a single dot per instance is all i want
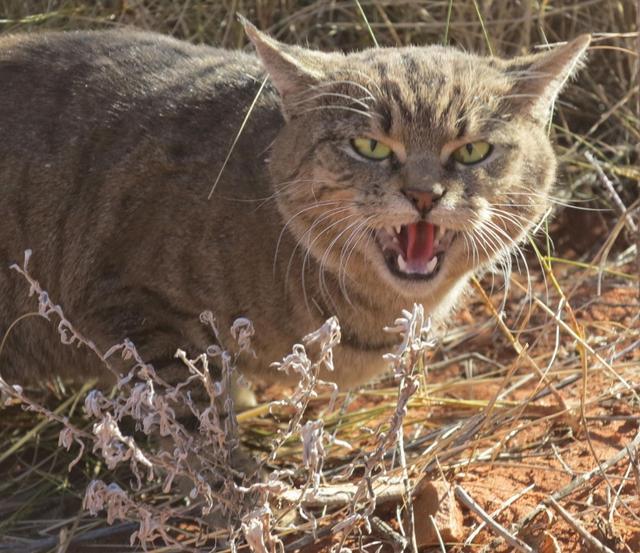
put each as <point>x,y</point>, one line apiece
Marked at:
<point>599,113</point>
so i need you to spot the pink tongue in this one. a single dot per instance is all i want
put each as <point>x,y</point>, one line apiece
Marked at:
<point>419,243</point>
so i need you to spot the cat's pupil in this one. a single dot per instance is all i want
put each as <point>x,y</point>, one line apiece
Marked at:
<point>469,148</point>
<point>373,144</point>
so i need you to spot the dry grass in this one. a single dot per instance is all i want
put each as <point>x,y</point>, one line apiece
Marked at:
<point>544,395</point>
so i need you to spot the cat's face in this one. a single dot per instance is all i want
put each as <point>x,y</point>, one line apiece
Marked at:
<point>421,164</point>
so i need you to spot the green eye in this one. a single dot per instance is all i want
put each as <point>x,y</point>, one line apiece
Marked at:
<point>371,149</point>
<point>473,152</point>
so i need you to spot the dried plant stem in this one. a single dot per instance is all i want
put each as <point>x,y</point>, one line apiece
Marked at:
<point>520,350</point>
<point>582,479</point>
<point>571,521</point>
<point>516,543</point>
<point>611,192</point>
<point>398,540</point>
<point>574,335</point>
<point>386,490</point>
<point>407,491</point>
<point>443,549</point>
<point>495,513</point>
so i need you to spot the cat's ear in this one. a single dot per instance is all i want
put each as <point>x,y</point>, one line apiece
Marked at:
<point>539,78</point>
<point>292,69</point>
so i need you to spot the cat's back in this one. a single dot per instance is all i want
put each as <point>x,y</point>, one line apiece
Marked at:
<point>109,144</point>
<point>66,81</point>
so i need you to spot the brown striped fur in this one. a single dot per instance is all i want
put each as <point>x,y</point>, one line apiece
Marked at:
<point>110,143</point>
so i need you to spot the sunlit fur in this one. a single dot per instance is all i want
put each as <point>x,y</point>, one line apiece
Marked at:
<point>422,100</point>
<point>289,236</point>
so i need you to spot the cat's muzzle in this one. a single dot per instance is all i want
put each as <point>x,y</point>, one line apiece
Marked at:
<point>414,251</point>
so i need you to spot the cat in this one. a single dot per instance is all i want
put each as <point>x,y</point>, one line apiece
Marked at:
<point>155,179</point>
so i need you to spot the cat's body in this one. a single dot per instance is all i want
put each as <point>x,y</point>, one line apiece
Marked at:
<point>110,144</point>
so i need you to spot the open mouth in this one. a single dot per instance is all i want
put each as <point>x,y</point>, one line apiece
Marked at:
<point>414,251</point>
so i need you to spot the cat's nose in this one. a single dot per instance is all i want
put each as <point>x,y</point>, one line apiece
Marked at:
<point>423,200</point>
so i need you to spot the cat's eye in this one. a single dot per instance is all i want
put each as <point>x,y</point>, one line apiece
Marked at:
<point>472,152</point>
<point>371,149</point>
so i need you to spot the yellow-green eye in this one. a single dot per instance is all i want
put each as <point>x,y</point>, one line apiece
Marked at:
<point>371,149</point>
<point>472,152</point>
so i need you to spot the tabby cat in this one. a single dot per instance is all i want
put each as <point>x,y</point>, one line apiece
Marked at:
<point>155,179</point>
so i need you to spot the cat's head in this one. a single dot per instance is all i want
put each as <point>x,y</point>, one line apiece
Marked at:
<point>420,164</point>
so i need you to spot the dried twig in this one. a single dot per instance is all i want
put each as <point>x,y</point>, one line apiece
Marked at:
<point>495,513</point>
<point>517,543</point>
<point>611,192</point>
<point>399,542</point>
<point>581,480</point>
<point>593,542</point>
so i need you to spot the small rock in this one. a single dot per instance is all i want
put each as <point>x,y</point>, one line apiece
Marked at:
<point>436,498</point>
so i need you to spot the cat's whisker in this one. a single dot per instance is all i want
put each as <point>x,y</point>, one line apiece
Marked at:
<point>470,240</point>
<point>366,233</point>
<point>358,225</point>
<point>475,251</point>
<point>514,246</point>
<point>502,248</point>
<point>552,199</point>
<point>345,108</point>
<point>520,222</point>
<point>349,83</point>
<point>321,273</point>
<point>322,261</point>
<point>491,235</point>
<point>367,77</point>
<point>490,247</point>
<point>347,251</point>
<point>281,188</point>
<point>506,219</point>
<point>307,235</point>
<point>290,220</point>
<point>307,254</point>
<point>467,248</point>
<point>547,238</point>
<point>519,255</point>
<point>500,256</point>
<point>369,234</point>
<point>308,99</point>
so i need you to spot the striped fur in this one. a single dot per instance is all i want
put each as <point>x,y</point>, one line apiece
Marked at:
<point>110,143</point>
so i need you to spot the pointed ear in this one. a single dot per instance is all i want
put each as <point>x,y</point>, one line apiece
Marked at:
<point>540,77</point>
<point>293,70</point>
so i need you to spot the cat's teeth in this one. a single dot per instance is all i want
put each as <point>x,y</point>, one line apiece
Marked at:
<point>402,264</point>
<point>397,229</point>
<point>440,233</point>
<point>432,264</point>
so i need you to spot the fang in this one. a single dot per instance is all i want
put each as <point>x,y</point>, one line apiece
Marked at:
<point>402,264</point>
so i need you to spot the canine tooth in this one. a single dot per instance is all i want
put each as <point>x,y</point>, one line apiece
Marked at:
<point>397,229</point>
<point>432,264</point>
<point>440,233</point>
<point>402,264</point>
